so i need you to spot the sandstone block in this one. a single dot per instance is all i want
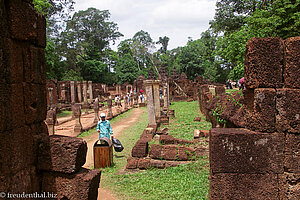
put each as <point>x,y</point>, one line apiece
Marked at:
<point>196,134</point>
<point>172,163</point>
<point>233,150</point>
<point>264,63</point>
<point>292,156</point>
<point>220,90</point>
<point>288,110</point>
<point>292,63</point>
<point>166,139</point>
<point>289,186</point>
<point>243,186</point>
<point>146,137</point>
<point>132,163</point>
<point>185,153</point>
<point>67,154</point>
<point>160,164</point>
<point>170,152</point>
<point>144,163</point>
<point>156,151</point>
<point>262,116</point>
<point>140,149</point>
<point>81,185</point>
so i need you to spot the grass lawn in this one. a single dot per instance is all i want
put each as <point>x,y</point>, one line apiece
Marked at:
<point>189,181</point>
<point>63,113</point>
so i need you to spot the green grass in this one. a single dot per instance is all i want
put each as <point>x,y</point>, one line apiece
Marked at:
<point>64,113</point>
<point>183,125</point>
<point>188,181</point>
<point>112,121</point>
<point>231,90</point>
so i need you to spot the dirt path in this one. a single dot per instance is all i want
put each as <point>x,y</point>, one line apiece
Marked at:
<point>91,139</point>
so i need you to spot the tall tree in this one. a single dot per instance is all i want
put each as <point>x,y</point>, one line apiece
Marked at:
<point>164,41</point>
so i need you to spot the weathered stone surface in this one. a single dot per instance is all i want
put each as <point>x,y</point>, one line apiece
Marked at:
<point>243,186</point>
<point>67,154</point>
<point>163,131</point>
<point>201,151</point>
<point>196,134</point>
<point>292,155</point>
<point>233,150</point>
<point>182,141</point>
<point>185,153</point>
<point>172,163</point>
<point>264,63</point>
<point>262,116</point>
<point>82,185</point>
<point>149,131</point>
<point>204,133</point>
<point>164,120</point>
<point>156,151</point>
<point>146,137</point>
<point>132,163</point>
<point>140,149</point>
<point>292,63</point>
<point>160,164</point>
<point>289,186</point>
<point>288,110</point>
<point>166,139</point>
<point>220,90</point>
<point>170,152</point>
<point>197,119</point>
<point>144,163</point>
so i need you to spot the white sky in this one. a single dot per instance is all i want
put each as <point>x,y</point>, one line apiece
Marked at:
<point>177,19</point>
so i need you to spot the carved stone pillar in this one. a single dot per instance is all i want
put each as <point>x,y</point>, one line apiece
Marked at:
<point>156,98</point>
<point>79,91</point>
<point>72,83</point>
<point>91,90</point>
<point>76,108</point>
<point>51,120</point>
<point>85,100</point>
<point>96,110</point>
<point>150,102</point>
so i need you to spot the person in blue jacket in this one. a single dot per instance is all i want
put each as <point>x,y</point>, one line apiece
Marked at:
<point>104,128</point>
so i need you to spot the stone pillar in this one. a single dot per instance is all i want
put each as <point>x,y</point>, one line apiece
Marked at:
<point>156,98</point>
<point>165,86</point>
<point>72,83</point>
<point>63,92</point>
<point>85,100</point>
<point>79,91</point>
<point>119,106</point>
<point>96,110</point>
<point>50,90</point>
<point>51,120</point>
<point>109,109</point>
<point>150,102</point>
<point>76,108</point>
<point>125,103</point>
<point>91,90</point>
<point>126,89</point>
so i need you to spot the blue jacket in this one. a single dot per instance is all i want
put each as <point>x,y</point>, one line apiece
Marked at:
<point>105,129</point>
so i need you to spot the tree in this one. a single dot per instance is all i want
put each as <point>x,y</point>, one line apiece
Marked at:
<point>164,42</point>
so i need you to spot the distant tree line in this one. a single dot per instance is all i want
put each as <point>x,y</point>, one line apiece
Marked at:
<point>78,46</point>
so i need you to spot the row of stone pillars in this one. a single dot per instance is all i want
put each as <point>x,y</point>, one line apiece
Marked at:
<point>153,100</point>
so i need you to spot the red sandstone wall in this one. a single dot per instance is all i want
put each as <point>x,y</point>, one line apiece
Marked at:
<point>262,161</point>
<point>22,95</point>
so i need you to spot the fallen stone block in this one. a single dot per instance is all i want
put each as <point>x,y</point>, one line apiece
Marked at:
<point>201,151</point>
<point>235,150</point>
<point>262,116</point>
<point>264,63</point>
<point>64,154</point>
<point>144,163</point>
<point>154,127</point>
<point>182,141</point>
<point>81,185</point>
<point>204,133</point>
<point>156,151</point>
<point>196,134</point>
<point>164,120</point>
<point>146,137</point>
<point>160,164</point>
<point>197,119</point>
<point>132,163</point>
<point>288,110</point>
<point>292,63</point>
<point>172,163</point>
<point>140,149</point>
<point>166,139</point>
<point>243,186</point>
<point>170,152</point>
<point>163,131</point>
<point>185,153</point>
<point>149,131</point>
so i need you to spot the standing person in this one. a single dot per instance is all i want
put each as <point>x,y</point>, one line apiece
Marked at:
<point>116,99</point>
<point>104,128</point>
<point>160,93</point>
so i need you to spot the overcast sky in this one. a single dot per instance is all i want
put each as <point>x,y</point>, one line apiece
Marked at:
<point>177,19</point>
